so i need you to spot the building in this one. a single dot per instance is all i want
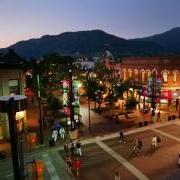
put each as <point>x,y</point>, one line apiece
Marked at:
<point>12,82</point>
<point>166,69</point>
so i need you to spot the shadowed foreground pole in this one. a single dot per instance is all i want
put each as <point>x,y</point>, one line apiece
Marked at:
<point>40,118</point>
<point>89,102</point>
<point>14,138</point>
<point>71,100</point>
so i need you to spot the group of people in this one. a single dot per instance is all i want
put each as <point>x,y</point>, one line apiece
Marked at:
<point>72,149</point>
<point>58,132</point>
<point>75,148</point>
<point>138,143</point>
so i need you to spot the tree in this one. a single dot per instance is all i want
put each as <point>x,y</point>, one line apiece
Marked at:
<point>131,103</point>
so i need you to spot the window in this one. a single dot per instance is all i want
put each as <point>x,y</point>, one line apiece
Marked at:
<point>13,85</point>
<point>175,76</point>
<point>165,77</point>
<point>143,76</point>
<point>130,73</point>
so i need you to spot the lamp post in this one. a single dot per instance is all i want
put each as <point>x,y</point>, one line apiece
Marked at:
<point>40,117</point>
<point>71,98</point>
<point>153,98</point>
<point>88,88</point>
<point>39,101</point>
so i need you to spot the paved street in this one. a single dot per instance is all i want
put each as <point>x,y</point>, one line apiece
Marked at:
<point>104,155</point>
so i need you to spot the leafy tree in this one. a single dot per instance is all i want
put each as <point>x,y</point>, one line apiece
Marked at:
<point>131,103</point>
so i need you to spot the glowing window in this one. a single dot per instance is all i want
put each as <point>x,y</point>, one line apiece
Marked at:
<point>165,77</point>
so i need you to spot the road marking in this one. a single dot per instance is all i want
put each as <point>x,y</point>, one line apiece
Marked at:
<point>166,134</point>
<point>50,168</point>
<point>123,161</point>
<point>110,136</point>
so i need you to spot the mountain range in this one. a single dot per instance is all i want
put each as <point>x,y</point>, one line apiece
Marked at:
<point>95,42</point>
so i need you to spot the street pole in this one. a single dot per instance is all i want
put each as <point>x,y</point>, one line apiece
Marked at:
<point>14,139</point>
<point>71,100</point>
<point>40,118</point>
<point>89,104</point>
<point>153,103</point>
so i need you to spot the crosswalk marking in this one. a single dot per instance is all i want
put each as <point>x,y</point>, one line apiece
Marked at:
<point>123,161</point>
<point>113,135</point>
<point>50,168</point>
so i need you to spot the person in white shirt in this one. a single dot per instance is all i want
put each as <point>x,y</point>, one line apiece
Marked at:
<point>55,135</point>
<point>62,132</point>
<point>154,142</point>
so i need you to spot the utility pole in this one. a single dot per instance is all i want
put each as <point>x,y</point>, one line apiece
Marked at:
<point>88,75</point>
<point>40,117</point>
<point>71,97</point>
<point>153,100</point>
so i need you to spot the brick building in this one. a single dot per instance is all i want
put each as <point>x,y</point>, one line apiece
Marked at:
<point>141,68</point>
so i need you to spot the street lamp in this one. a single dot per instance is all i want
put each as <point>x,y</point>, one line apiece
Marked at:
<point>71,97</point>
<point>39,100</point>
<point>88,88</point>
<point>153,98</point>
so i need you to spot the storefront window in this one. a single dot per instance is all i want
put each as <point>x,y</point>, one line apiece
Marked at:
<point>148,73</point>
<point>175,76</point>
<point>165,77</point>
<point>13,85</point>
<point>143,76</point>
<point>136,74</point>
<point>124,74</point>
<point>130,73</point>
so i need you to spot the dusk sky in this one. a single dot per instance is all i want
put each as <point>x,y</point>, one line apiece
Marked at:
<point>25,19</point>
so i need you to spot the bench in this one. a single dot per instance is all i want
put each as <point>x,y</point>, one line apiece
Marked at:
<point>120,117</point>
<point>133,115</point>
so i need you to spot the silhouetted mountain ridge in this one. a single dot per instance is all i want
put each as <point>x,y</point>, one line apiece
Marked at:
<point>95,42</point>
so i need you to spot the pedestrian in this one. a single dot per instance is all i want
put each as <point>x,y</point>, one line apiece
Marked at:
<point>72,146</point>
<point>178,162</point>
<point>55,135</point>
<point>154,142</point>
<point>62,132</point>
<point>158,116</point>
<point>66,149</point>
<point>140,144</point>
<point>117,176</point>
<point>69,163</point>
<point>78,147</point>
<point>158,141</point>
<point>121,137</point>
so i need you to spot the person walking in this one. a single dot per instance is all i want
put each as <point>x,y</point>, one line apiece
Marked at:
<point>72,147</point>
<point>69,164</point>
<point>78,147</point>
<point>158,141</point>
<point>154,142</point>
<point>178,162</point>
<point>54,135</point>
<point>117,176</point>
<point>158,116</point>
<point>66,149</point>
<point>121,137</point>
<point>62,132</point>
<point>140,144</point>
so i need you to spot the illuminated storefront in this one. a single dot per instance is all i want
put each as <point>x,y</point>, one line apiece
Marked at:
<point>20,116</point>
